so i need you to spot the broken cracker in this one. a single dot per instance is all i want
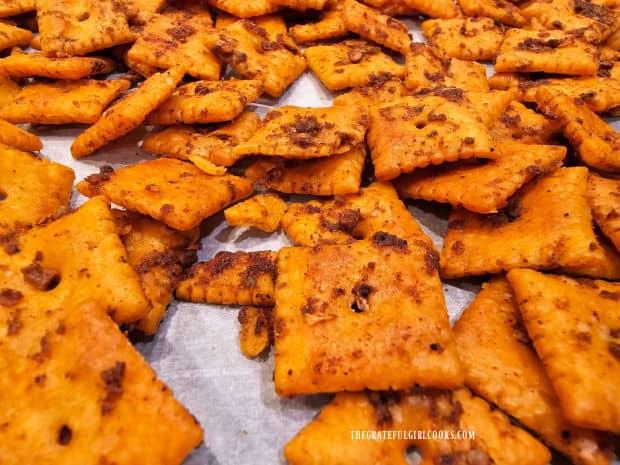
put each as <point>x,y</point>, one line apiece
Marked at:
<point>503,11</point>
<point>604,198</point>
<point>206,102</point>
<point>127,114</point>
<point>329,26</point>
<point>232,278</point>
<point>351,63</point>
<point>377,91</point>
<point>575,328</point>
<point>172,191</point>
<point>12,36</point>
<point>19,64</point>
<point>330,294</point>
<point>314,223</point>
<point>483,187</point>
<point>15,7</point>
<point>520,124</point>
<point>244,9</point>
<point>16,137</point>
<point>255,331</point>
<point>262,211</point>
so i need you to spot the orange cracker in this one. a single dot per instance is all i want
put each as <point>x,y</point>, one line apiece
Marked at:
<point>179,37</point>
<point>503,11</point>
<point>8,90</point>
<point>424,70</point>
<point>214,146</point>
<point>329,26</point>
<point>546,51</point>
<point>172,191</point>
<point>261,49</point>
<point>301,4</point>
<point>574,326</point>
<point>604,198</point>
<point>343,315</point>
<point>11,36</point>
<point>465,38</point>
<point>62,102</point>
<point>301,133</point>
<point>32,189</point>
<point>335,175</point>
<point>126,115</point>
<point>78,27</point>
<point>245,9</point>
<point>547,225</point>
<point>483,188</point>
<point>487,104</point>
<point>94,397</point>
<point>501,365</point>
<point>140,11</point>
<point>232,278</point>
<point>255,331</point>
<point>313,223</point>
<point>372,25</point>
<point>206,102</point>
<point>16,137</point>
<point>415,132</point>
<point>262,211</point>
<point>20,64</point>
<point>520,124</point>
<point>15,7</point>
<point>597,143</point>
<point>74,258</point>
<point>351,63</point>
<point>383,88</point>
<point>434,8</point>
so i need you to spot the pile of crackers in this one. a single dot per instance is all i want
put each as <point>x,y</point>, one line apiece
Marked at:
<point>355,305</point>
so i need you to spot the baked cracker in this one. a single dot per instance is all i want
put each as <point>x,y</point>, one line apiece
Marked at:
<point>13,36</point>
<point>255,330</point>
<point>604,198</point>
<point>15,7</point>
<point>262,211</point>
<point>329,26</point>
<point>502,11</point>
<point>245,9</point>
<point>523,125</point>
<point>19,64</point>
<point>18,138</point>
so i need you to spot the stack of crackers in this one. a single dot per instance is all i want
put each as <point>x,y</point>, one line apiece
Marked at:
<point>355,305</point>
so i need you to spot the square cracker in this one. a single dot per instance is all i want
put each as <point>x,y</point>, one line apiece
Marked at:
<point>314,223</point>
<point>575,328</point>
<point>503,11</point>
<point>546,51</point>
<point>351,63</point>
<point>335,175</point>
<point>434,8</point>
<point>261,49</point>
<point>262,211</point>
<point>19,64</point>
<point>465,38</point>
<point>74,390</point>
<point>255,330</point>
<point>332,437</point>
<point>383,88</point>
<point>63,102</point>
<point>179,37</point>
<point>15,7</point>
<point>343,315</point>
<point>426,70</point>
<point>74,258</point>
<point>16,137</point>
<point>483,187</point>
<point>329,26</point>
<point>414,132</point>
<point>487,104</point>
<point>520,124</point>
<point>297,132</point>
<point>547,225</point>
<point>596,142</point>
<point>232,278</point>
<point>372,25</point>
<point>79,27</point>
<point>172,191</point>
<point>604,198</point>
<point>32,189</point>
<point>245,9</point>
<point>206,102</point>
<point>12,36</point>
<point>215,146</point>
<point>127,114</point>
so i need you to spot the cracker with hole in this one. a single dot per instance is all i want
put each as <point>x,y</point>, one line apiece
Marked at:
<point>547,225</point>
<point>13,36</point>
<point>596,142</point>
<point>232,278</point>
<point>415,132</point>
<point>314,223</point>
<point>375,26</point>
<point>215,146</point>
<point>380,90</point>
<point>175,192</point>
<point>261,49</point>
<point>604,198</point>
<point>503,11</point>
<point>329,26</point>
<point>32,189</point>
<point>176,37</point>
<point>501,365</point>
<point>523,125</point>
<point>351,63</point>
<point>575,328</point>
<point>203,102</point>
<point>20,65</point>
<point>553,52</point>
<point>302,133</point>
<point>79,27</point>
<point>426,70</point>
<point>15,7</point>
<point>94,397</point>
<point>465,38</point>
<point>79,256</point>
<point>332,437</point>
<point>159,255</point>
<point>433,8</point>
<point>335,175</point>
<point>245,9</point>
<point>333,293</point>
<point>262,211</point>
<point>483,187</point>
<point>18,138</point>
<point>127,114</point>
<point>255,330</point>
<point>62,102</point>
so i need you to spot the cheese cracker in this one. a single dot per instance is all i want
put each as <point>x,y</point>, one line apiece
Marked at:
<point>503,11</point>
<point>329,26</point>
<point>12,36</point>
<point>16,137</point>
<point>19,64</point>
<point>604,198</point>
<point>262,211</point>
<point>255,331</point>
<point>15,7</point>
<point>245,9</point>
